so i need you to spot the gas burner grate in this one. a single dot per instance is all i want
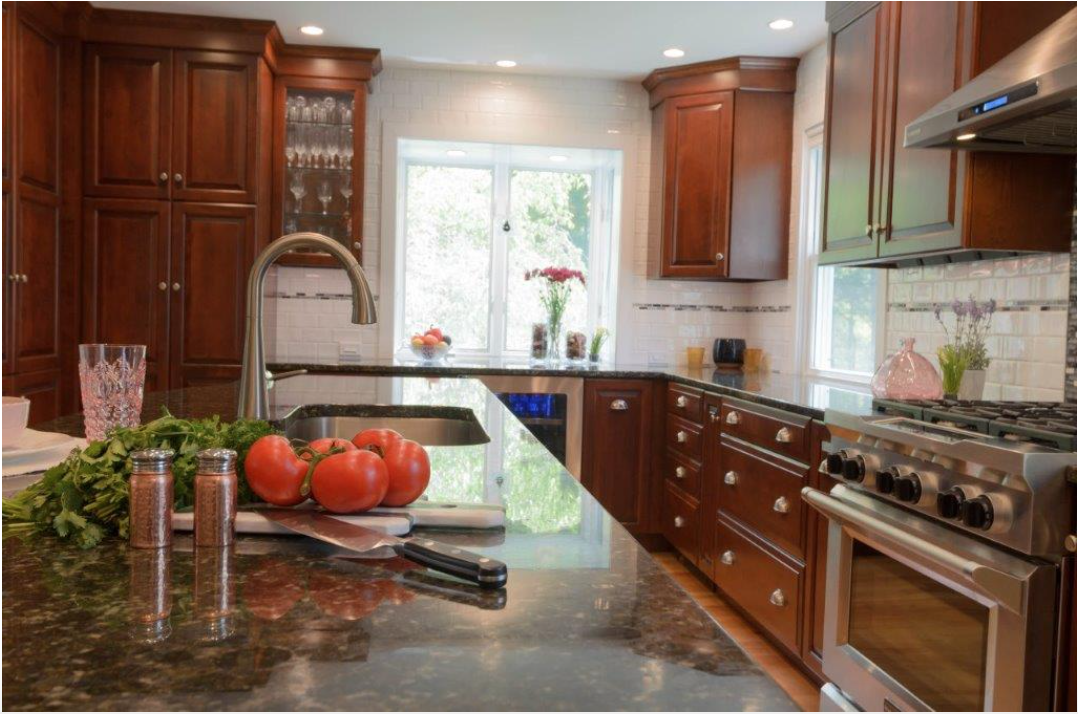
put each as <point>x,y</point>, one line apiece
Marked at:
<point>1047,423</point>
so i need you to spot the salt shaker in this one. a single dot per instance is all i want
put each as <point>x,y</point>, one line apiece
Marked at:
<point>215,497</point>
<point>151,499</point>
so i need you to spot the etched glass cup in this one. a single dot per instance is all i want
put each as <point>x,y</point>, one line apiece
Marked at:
<point>112,377</point>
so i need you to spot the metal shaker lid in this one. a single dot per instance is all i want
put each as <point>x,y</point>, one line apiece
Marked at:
<point>216,461</point>
<point>152,460</point>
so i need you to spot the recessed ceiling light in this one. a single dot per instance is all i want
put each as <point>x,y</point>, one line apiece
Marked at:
<point>314,30</point>
<point>456,152</point>
<point>780,24</point>
<point>506,63</point>
<point>674,53</point>
<point>965,137</point>
<point>559,157</point>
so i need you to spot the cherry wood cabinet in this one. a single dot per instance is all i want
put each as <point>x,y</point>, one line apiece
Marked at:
<point>721,151</point>
<point>886,205</point>
<point>617,449</point>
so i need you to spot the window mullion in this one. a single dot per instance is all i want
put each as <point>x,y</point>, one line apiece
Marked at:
<point>499,254</point>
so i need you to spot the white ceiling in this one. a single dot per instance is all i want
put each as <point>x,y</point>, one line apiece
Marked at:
<point>599,39</point>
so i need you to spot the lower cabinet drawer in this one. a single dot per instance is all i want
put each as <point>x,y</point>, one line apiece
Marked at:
<point>683,473</point>
<point>764,494</point>
<point>765,586</point>
<point>680,522</point>
<point>684,437</point>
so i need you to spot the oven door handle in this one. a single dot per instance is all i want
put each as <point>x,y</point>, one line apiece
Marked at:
<point>1005,589</point>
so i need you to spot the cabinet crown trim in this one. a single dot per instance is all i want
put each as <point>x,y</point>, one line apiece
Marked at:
<point>742,72</point>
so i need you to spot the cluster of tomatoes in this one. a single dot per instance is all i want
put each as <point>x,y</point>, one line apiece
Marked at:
<point>378,467</point>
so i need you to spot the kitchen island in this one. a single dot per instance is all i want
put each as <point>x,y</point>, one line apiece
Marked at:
<point>588,621</point>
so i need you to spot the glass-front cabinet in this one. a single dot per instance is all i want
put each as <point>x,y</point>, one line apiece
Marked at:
<point>318,163</point>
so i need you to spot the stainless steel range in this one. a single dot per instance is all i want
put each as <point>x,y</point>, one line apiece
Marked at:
<point>946,539</point>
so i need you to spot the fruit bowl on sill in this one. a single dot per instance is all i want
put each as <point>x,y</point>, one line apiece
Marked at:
<point>430,354</point>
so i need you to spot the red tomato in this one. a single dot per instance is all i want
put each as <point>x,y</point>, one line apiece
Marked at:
<point>350,482</point>
<point>381,438</point>
<point>274,471</point>
<point>347,598</point>
<point>409,473</point>
<point>323,446</point>
<point>272,589</point>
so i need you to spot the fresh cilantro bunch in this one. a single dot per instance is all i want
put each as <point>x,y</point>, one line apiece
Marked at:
<point>85,497</point>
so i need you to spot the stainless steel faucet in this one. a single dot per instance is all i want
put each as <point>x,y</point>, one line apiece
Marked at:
<point>254,397</point>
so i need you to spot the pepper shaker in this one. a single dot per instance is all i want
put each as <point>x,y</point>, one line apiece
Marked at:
<point>215,497</point>
<point>151,499</point>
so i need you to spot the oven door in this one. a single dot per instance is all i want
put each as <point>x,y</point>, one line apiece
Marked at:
<point>920,617</point>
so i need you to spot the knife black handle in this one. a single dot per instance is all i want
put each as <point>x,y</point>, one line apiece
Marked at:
<point>451,560</point>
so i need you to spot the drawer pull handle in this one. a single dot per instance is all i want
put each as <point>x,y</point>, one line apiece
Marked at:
<point>679,522</point>
<point>782,505</point>
<point>733,418</point>
<point>730,479</point>
<point>682,402</point>
<point>727,558</point>
<point>619,405</point>
<point>682,437</point>
<point>778,598</point>
<point>783,436</point>
<point>680,472</point>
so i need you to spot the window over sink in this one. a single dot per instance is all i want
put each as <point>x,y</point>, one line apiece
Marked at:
<point>472,218</point>
<point>842,310</point>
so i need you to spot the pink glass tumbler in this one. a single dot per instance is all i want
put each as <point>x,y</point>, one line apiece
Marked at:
<point>112,379</point>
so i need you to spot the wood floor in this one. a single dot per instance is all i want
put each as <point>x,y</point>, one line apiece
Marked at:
<point>804,692</point>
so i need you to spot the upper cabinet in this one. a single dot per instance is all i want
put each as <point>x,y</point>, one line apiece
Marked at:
<point>720,168</point>
<point>886,205</point>
<point>170,124</point>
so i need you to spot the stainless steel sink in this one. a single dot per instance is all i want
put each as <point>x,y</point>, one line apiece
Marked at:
<point>450,427</point>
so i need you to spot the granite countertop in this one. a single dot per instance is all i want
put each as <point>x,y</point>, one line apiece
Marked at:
<point>803,395</point>
<point>588,621</point>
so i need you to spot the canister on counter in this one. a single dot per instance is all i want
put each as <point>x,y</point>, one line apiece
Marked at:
<point>151,499</point>
<point>216,484</point>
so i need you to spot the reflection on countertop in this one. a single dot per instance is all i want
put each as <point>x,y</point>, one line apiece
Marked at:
<point>588,621</point>
<point>809,396</point>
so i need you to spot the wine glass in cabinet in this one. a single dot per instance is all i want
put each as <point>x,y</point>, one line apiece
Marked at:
<point>319,128</point>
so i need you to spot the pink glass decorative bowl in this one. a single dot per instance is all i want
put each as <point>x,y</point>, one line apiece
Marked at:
<point>907,375</point>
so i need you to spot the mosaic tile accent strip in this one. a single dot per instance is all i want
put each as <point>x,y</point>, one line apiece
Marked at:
<point>657,307</point>
<point>1004,306</point>
<point>1069,391</point>
<point>312,296</point>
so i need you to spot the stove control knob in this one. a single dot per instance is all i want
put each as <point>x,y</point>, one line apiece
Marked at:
<point>885,480</point>
<point>949,503</point>
<point>854,469</point>
<point>908,488</point>
<point>834,462</point>
<point>977,512</point>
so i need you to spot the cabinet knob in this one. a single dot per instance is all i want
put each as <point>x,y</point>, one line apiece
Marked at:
<point>679,522</point>
<point>619,405</point>
<point>162,286</point>
<point>680,472</point>
<point>781,505</point>
<point>727,557</point>
<point>714,416</point>
<point>778,598</point>
<point>164,176</point>
<point>13,277</point>
<point>868,229</point>
<point>730,479</point>
<point>175,287</point>
<point>24,278</point>
<point>357,245</point>
<point>881,228</point>
<point>783,436</point>
<point>733,418</point>
<point>719,257</point>
<point>178,178</point>
<point>682,437</point>
<point>681,402</point>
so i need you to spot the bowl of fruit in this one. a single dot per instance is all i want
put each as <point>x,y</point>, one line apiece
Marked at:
<point>432,345</point>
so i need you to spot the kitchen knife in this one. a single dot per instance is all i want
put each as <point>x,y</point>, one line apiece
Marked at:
<point>484,572</point>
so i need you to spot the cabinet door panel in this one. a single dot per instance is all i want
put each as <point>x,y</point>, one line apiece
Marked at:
<point>851,138</point>
<point>696,200</point>
<point>43,391</point>
<point>127,127</point>
<point>37,68</point>
<point>37,295</point>
<point>215,131</point>
<point>617,450</point>
<point>212,250</point>
<point>926,68</point>
<point>124,264</point>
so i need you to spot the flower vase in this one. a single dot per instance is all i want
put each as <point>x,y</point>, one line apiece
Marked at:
<point>554,346</point>
<point>972,384</point>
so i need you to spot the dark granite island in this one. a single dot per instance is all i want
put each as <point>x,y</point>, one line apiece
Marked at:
<point>588,622</point>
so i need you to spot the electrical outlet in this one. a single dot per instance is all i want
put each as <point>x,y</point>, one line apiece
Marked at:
<point>349,352</point>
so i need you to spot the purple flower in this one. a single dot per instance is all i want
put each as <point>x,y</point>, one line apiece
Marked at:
<point>991,306</point>
<point>959,308</point>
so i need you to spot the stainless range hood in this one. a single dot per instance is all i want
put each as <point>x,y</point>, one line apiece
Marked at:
<point>1025,102</point>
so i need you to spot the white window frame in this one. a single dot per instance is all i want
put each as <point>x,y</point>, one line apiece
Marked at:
<point>602,254</point>
<point>814,324</point>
